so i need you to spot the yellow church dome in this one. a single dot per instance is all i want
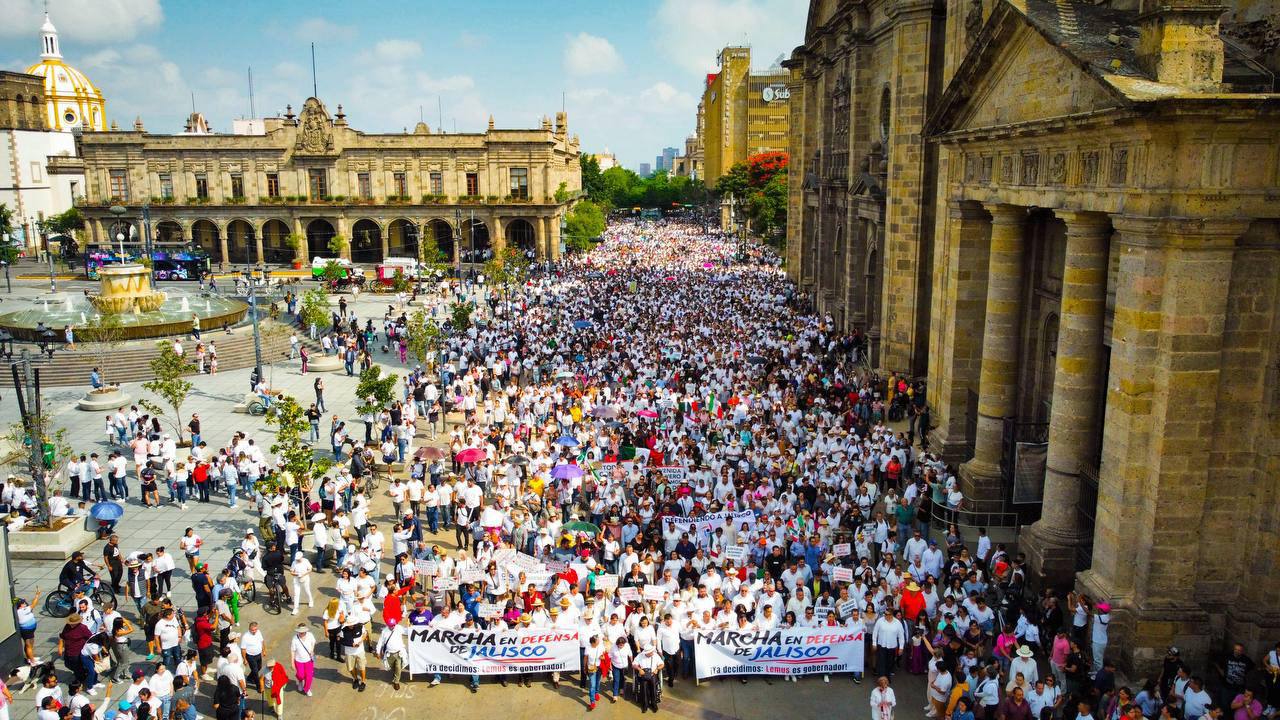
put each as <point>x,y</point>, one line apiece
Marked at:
<point>72,100</point>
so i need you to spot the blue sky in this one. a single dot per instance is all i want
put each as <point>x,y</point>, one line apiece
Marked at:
<point>630,71</point>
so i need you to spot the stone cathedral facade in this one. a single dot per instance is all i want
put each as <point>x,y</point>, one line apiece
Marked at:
<point>1066,217</point>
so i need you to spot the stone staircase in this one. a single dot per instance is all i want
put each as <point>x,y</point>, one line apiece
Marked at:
<point>130,362</point>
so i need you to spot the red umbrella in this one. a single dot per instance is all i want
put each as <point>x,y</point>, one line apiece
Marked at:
<point>429,453</point>
<point>647,414</point>
<point>470,455</point>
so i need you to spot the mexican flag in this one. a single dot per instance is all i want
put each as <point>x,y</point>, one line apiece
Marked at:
<point>713,405</point>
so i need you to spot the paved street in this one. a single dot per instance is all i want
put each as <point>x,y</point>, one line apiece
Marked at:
<point>222,528</point>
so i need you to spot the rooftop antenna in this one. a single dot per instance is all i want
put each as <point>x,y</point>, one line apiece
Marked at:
<point>193,102</point>
<point>561,101</point>
<point>420,118</point>
<point>314,92</point>
<point>439,114</point>
<point>252,114</point>
<point>455,125</point>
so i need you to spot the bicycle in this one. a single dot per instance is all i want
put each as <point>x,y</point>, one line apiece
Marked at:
<point>60,603</point>
<point>272,602</point>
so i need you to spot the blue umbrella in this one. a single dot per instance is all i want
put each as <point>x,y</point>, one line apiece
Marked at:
<point>581,324</point>
<point>106,511</point>
<point>567,441</point>
<point>566,472</point>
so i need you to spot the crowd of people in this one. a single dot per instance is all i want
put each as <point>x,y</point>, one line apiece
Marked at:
<point>663,412</point>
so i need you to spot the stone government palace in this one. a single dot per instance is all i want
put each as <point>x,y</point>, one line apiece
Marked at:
<point>1066,215</point>
<point>239,196</point>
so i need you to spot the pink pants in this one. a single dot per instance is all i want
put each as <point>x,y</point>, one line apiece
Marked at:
<point>306,672</point>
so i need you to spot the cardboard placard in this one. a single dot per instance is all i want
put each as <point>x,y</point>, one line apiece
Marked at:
<point>629,594</point>
<point>525,562</point>
<point>556,566</point>
<point>475,576</point>
<point>654,592</point>
<point>446,583</point>
<point>606,582</point>
<point>847,607</point>
<point>841,549</point>
<point>842,574</point>
<point>489,610</point>
<point>736,553</point>
<point>425,567</point>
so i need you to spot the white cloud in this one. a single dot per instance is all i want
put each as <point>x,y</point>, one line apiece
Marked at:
<point>83,21</point>
<point>662,97</point>
<point>396,50</point>
<point>471,41</point>
<point>318,29</point>
<point>590,55</point>
<point>692,32</point>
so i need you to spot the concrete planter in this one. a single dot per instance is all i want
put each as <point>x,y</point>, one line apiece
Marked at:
<point>324,363</point>
<point>69,535</point>
<point>107,398</point>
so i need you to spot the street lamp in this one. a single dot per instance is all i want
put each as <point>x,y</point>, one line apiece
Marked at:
<point>7,283</point>
<point>257,337</point>
<point>457,240</point>
<point>26,384</point>
<point>119,211</point>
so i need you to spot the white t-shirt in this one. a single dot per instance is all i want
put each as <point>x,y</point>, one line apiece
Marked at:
<point>252,643</point>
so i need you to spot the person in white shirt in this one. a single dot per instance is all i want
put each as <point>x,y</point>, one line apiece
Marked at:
<point>888,640</point>
<point>393,649</point>
<point>592,655</point>
<point>883,700</point>
<point>1025,663</point>
<point>301,572</point>
<point>668,638</point>
<point>647,666</point>
<point>252,645</point>
<point>302,648</point>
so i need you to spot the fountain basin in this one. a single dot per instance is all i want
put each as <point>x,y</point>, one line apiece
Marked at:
<point>127,295</point>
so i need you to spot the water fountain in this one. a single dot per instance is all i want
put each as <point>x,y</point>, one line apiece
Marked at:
<point>127,294</point>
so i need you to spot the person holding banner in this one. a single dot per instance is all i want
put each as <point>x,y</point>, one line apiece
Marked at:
<point>593,656</point>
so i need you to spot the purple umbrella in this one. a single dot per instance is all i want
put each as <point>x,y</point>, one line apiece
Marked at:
<point>566,472</point>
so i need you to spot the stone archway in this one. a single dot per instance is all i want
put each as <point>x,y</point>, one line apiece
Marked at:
<point>169,232</point>
<point>242,243</point>
<point>442,231</point>
<point>522,236</point>
<point>319,233</point>
<point>366,242</point>
<point>402,239</point>
<point>205,235</point>
<point>475,241</point>
<point>275,242</point>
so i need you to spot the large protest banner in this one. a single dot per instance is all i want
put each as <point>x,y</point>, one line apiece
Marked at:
<point>482,652</point>
<point>779,652</point>
<point>707,523</point>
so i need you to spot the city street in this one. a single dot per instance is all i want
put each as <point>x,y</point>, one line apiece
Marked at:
<point>222,529</point>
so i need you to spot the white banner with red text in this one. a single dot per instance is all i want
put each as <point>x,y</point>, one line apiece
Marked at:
<point>779,652</point>
<point>484,652</point>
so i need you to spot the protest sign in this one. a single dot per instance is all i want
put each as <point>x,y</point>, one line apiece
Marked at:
<point>841,549</point>
<point>654,592</point>
<point>482,652</point>
<point>842,574</point>
<point>778,652</point>
<point>629,594</point>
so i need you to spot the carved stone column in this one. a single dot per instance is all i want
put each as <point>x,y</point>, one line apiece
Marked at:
<point>1073,419</point>
<point>997,386</point>
<point>961,282</point>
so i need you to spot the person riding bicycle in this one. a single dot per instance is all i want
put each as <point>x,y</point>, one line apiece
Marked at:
<point>238,564</point>
<point>75,574</point>
<point>273,566</point>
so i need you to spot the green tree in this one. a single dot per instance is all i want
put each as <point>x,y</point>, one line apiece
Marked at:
<point>6,221</point>
<point>400,282</point>
<point>65,223</point>
<point>735,182</point>
<point>424,337</point>
<point>767,207</point>
<point>592,182</point>
<point>374,390</point>
<point>431,257</point>
<point>332,271</point>
<point>460,316</point>
<point>103,334</point>
<point>314,309</point>
<point>167,371</point>
<point>299,464</point>
<point>584,222</point>
<point>297,242</point>
<point>337,244</point>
